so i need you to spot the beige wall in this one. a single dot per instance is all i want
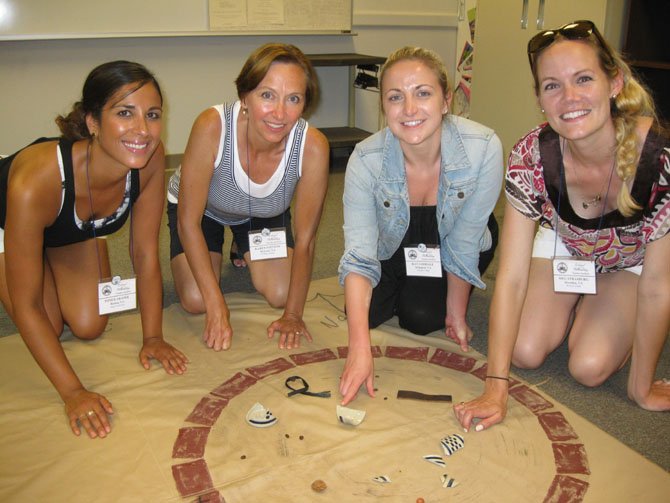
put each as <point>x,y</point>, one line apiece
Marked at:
<point>41,79</point>
<point>615,22</point>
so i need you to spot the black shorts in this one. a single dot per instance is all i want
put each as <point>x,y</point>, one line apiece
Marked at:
<point>213,231</point>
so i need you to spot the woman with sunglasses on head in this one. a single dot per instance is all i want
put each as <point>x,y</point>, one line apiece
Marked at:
<point>243,164</point>
<point>58,196</point>
<point>595,177</point>
<point>418,224</point>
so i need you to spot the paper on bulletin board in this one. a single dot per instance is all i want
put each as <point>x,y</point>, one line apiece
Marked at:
<point>266,12</point>
<point>319,14</point>
<point>279,15</point>
<point>226,14</point>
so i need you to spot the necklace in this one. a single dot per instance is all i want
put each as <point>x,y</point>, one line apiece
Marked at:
<point>587,204</point>
<point>594,201</point>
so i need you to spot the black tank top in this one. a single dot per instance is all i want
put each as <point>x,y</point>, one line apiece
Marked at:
<point>64,230</point>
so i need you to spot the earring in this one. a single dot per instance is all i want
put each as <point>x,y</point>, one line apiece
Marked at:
<point>542,109</point>
<point>614,96</point>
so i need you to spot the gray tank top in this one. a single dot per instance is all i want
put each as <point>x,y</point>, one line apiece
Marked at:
<point>233,198</point>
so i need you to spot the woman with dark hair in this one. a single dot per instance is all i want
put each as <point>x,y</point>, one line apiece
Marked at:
<point>243,164</point>
<point>595,176</point>
<point>57,197</point>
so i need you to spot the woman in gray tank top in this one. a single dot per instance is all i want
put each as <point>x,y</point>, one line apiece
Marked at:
<point>243,164</point>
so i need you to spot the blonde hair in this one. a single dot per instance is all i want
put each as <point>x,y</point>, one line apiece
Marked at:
<point>633,102</point>
<point>426,56</point>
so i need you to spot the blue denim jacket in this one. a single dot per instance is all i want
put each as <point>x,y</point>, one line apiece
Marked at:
<point>376,200</point>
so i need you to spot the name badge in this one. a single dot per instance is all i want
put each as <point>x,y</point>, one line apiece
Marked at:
<point>574,275</point>
<point>268,243</point>
<point>117,295</point>
<point>422,260</point>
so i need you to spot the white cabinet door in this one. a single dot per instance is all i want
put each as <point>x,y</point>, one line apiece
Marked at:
<point>502,95</point>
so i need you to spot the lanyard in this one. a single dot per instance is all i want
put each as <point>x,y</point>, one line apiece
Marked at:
<point>561,175</point>
<point>91,221</point>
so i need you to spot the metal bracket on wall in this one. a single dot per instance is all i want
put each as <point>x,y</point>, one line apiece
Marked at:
<point>539,22</point>
<point>524,15</point>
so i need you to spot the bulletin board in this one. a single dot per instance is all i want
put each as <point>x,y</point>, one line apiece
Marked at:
<point>48,19</point>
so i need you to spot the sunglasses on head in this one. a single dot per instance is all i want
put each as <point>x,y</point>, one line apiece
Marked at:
<point>577,30</point>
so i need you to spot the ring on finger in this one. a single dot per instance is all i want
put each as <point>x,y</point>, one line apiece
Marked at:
<point>90,413</point>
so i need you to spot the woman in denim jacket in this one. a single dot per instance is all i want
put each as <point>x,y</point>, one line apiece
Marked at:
<point>418,227</point>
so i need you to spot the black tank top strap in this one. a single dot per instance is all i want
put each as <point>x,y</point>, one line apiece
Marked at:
<point>68,177</point>
<point>134,185</point>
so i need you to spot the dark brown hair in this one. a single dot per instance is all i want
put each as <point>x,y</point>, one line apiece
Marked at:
<point>100,86</point>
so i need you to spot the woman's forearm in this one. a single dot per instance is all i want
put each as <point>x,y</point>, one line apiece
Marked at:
<point>199,261</point>
<point>43,344</point>
<point>357,296</point>
<point>651,330</point>
<point>150,295</point>
<point>458,296</point>
<point>301,274</point>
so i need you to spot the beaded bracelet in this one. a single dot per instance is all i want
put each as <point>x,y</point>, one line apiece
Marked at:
<point>498,377</point>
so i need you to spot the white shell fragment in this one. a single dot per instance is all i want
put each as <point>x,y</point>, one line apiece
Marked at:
<point>448,482</point>
<point>452,443</point>
<point>436,459</point>
<point>382,479</point>
<point>346,415</point>
<point>260,417</point>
